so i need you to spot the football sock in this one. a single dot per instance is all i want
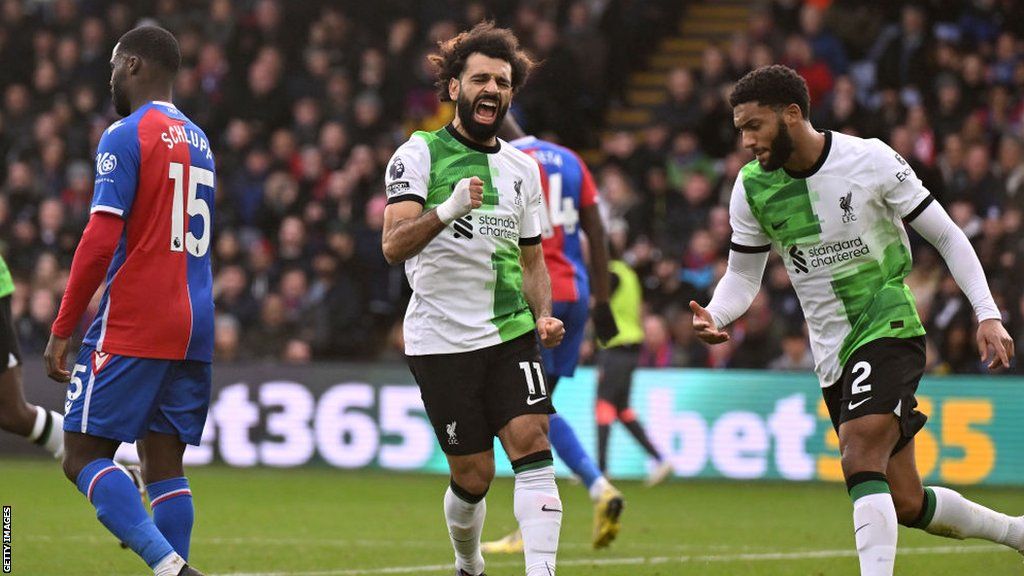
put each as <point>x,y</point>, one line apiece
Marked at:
<point>598,488</point>
<point>169,566</point>
<point>118,508</point>
<point>48,431</point>
<point>628,419</point>
<point>173,514</point>
<point>567,446</point>
<point>538,510</point>
<point>874,521</point>
<point>464,513</point>
<point>946,513</point>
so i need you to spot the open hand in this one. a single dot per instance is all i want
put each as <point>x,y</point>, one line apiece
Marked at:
<point>704,325</point>
<point>993,336</point>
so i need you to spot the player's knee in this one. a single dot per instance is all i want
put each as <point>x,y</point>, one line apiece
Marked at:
<point>475,479</point>
<point>861,456</point>
<point>17,418</point>
<point>72,467</point>
<point>534,439</point>
<point>155,471</point>
<point>908,506</point>
<point>627,415</point>
<point>867,443</point>
<point>9,418</point>
<point>605,412</point>
<point>159,466</point>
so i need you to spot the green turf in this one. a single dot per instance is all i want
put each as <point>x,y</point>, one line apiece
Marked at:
<point>320,522</point>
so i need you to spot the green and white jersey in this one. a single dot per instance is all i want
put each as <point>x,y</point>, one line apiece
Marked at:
<point>467,282</point>
<point>6,282</point>
<point>839,229</point>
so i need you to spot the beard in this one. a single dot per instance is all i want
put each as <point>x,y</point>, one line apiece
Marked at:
<point>782,149</point>
<point>477,131</point>
<point>121,104</point>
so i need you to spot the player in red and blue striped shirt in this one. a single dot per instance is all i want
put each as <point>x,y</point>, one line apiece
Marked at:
<point>571,207</point>
<point>143,371</point>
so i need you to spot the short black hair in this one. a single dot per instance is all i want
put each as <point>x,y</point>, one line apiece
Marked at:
<point>775,86</point>
<point>153,44</point>
<point>486,39</point>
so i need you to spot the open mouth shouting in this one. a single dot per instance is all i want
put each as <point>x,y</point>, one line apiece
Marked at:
<point>485,111</point>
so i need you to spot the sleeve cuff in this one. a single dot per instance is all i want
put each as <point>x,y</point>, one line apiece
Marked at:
<point>531,241</point>
<point>989,312</point>
<point>749,249</point>
<point>107,209</point>
<point>716,316</point>
<point>407,198</point>
<point>920,208</point>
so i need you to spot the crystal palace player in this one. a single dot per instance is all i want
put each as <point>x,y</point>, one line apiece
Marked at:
<point>571,205</point>
<point>143,372</point>
<point>834,207</point>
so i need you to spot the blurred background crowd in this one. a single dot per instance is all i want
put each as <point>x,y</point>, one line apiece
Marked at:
<point>304,102</point>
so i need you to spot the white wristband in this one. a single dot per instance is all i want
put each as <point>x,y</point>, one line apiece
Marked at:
<point>446,212</point>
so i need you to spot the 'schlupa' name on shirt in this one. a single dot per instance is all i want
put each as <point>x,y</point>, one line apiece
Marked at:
<point>178,133</point>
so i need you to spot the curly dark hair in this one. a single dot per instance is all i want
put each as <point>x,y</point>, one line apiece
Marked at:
<point>775,86</point>
<point>486,39</point>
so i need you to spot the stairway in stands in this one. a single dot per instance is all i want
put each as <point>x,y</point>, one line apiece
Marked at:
<point>704,23</point>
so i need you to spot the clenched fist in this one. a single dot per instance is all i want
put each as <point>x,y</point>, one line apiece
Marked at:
<point>550,331</point>
<point>467,195</point>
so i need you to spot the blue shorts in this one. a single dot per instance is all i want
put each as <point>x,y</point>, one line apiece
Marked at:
<point>123,397</point>
<point>562,359</point>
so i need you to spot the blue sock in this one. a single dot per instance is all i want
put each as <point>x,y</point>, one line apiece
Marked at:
<point>119,508</point>
<point>171,501</point>
<point>569,449</point>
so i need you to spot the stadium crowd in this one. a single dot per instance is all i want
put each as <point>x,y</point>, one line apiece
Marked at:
<point>305,105</point>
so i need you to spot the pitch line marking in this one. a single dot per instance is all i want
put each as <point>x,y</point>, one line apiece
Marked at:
<point>625,561</point>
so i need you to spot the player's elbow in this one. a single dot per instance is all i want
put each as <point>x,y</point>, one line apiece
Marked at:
<point>391,253</point>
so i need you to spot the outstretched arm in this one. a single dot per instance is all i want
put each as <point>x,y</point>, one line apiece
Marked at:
<point>935,226</point>
<point>733,295</point>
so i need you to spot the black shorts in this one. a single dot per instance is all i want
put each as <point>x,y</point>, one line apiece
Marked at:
<point>881,377</point>
<point>10,352</point>
<point>616,377</point>
<point>470,396</point>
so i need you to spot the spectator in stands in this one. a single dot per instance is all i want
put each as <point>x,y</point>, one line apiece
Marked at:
<point>824,44</point>
<point>305,101</point>
<point>796,354</point>
<point>681,111</point>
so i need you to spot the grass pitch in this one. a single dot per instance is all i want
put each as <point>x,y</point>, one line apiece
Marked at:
<point>322,522</point>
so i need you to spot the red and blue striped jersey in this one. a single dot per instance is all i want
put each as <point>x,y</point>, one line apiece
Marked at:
<point>569,188</point>
<point>155,169</point>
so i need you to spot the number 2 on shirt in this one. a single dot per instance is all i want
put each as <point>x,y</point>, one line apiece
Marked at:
<point>196,207</point>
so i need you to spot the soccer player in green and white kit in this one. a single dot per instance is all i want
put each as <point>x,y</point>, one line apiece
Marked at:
<point>39,425</point>
<point>464,215</point>
<point>834,207</point>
